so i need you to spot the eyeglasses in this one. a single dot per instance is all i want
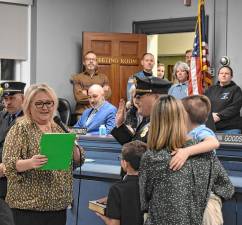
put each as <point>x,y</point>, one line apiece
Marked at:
<point>90,59</point>
<point>40,104</point>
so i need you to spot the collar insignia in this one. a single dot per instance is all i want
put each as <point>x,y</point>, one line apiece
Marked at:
<point>6,85</point>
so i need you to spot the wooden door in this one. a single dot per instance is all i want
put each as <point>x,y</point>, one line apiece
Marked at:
<point>118,56</point>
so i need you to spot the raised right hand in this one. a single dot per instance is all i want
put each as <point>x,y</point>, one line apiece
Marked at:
<point>121,113</point>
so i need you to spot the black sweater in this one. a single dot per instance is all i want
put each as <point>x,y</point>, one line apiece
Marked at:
<point>226,101</point>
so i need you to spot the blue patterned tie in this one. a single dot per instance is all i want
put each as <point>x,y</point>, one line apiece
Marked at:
<point>90,118</point>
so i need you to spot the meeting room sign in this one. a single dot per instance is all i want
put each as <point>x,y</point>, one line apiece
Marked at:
<point>118,60</point>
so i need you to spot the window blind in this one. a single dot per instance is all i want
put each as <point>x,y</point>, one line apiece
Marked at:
<point>13,31</point>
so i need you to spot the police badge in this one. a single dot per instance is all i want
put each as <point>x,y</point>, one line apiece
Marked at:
<point>144,131</point>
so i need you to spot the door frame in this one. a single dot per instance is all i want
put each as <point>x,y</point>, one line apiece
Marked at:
<point>173,25</point>
<point>164,26</point>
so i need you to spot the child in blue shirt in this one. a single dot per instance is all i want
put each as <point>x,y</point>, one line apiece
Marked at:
<point>198,108</point>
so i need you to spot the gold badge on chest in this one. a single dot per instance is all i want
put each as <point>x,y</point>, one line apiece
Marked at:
<point>144,131</point>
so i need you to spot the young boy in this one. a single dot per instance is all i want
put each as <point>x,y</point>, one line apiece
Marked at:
<point>123,203</point>
<point>198,108</point>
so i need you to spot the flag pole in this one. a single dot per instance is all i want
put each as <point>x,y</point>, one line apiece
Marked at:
<point>200,32</point>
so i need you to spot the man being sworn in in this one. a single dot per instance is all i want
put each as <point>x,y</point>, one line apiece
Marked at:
<point>148,90</point>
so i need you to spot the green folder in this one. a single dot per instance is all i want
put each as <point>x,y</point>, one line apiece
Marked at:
<point>58,148</point>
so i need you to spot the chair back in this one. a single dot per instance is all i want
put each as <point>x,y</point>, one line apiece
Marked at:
<point>64,110</point>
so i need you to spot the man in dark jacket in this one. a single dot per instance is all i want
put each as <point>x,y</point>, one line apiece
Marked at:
<point>148,90</point>
<point>12,93</point>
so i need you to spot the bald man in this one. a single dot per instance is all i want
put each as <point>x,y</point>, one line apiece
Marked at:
<point>100,113</point>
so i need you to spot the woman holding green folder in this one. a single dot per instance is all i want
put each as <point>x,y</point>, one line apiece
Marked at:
<point>36,196</point>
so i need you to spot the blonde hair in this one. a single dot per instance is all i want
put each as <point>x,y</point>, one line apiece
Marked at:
<point>168,124</point>
<point>160,64</point>
<point>32,91</point>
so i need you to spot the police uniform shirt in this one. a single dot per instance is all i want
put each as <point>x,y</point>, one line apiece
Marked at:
<point>123,135</point>
<point>6,122</point>
<point>151,85</point>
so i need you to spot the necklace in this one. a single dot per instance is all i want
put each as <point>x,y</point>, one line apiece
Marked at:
<point>45,128</point>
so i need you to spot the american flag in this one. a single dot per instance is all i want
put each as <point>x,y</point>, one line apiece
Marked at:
<point>200,77</point>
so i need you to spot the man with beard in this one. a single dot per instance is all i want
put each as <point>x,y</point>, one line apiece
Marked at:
<point>81,82</point>
<point>148,90</point>
<point>12,94</point>
<point>100,113</point>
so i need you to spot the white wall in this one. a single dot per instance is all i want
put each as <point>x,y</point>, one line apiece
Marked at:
<point>234,46</point>
<point>222,41</point>
<point>175,44</point>
<point>60,24</point>
<point>126,11</point>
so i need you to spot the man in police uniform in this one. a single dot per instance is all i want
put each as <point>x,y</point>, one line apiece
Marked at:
<point>12,94</point>
<point>148,90</point>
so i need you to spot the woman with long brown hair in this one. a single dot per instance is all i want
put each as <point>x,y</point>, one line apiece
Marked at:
<point>174,197</point>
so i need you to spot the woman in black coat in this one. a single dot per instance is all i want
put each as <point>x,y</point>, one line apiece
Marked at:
<point>226,102</point>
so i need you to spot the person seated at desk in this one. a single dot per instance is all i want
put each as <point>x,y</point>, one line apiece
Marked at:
<point>101,112</point>
<point>82,81</point>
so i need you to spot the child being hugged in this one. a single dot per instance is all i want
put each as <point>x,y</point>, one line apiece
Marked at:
<point>198,108</point>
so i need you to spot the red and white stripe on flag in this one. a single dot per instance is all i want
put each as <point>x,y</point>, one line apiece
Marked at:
<point>199,76</point>
<point>195,86</point>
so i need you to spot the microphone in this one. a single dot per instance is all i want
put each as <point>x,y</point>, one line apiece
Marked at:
<point>80,131</point>
<point>58,121</point>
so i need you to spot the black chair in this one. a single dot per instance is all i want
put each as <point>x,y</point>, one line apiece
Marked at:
<point>64,110</point>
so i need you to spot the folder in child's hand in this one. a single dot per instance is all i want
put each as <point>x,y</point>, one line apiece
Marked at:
<point>58,148</point>
<point>97,207</point>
